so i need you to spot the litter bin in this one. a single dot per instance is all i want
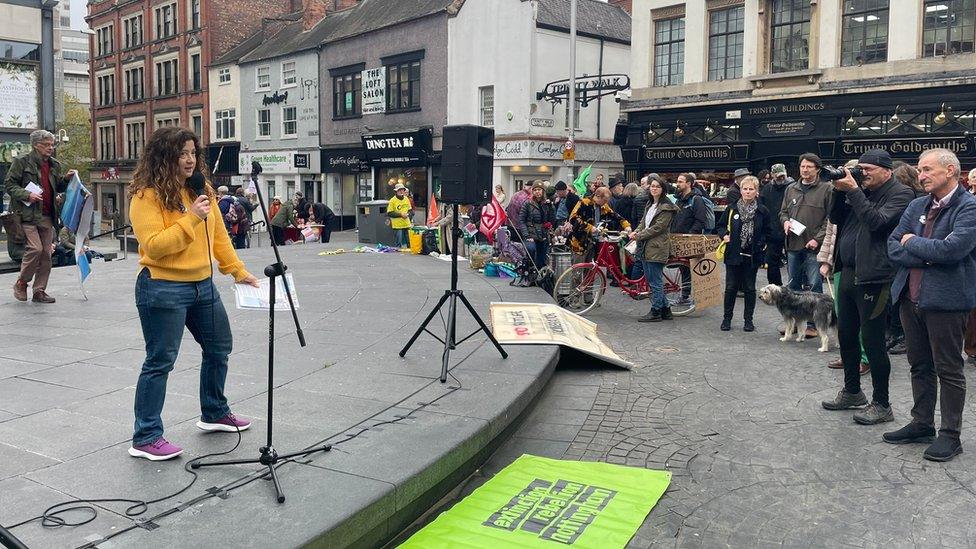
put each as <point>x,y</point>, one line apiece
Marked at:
<point>560,262</point>
<point>373,223</point>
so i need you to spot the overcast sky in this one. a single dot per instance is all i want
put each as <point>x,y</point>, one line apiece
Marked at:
<point>79,9</point>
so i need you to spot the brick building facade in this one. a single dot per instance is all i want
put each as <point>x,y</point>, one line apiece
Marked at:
<point>148,68</point>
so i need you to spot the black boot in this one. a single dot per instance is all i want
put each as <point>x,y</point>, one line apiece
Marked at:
<point>666,314</point>
<point>749,309</point>
<point>728,308</point>
<point>653,316</point>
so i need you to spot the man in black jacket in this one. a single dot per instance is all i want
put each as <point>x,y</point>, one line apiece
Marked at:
<point>692,216</point>
<point>771,196</point>
<point>865,215</point>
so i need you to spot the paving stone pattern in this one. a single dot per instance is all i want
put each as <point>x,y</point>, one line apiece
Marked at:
<point>757,462</point>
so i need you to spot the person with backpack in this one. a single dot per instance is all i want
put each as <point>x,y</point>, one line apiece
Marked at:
<point>226,202</point>
<point>694,217</point>
<point>245,211</point>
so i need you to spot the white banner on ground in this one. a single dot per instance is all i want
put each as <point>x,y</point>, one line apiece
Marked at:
<point>549,324</point>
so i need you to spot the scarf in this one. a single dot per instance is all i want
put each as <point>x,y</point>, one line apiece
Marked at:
<point>747,217</point>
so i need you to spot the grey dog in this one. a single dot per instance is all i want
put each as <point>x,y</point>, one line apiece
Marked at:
<point>799,307</point>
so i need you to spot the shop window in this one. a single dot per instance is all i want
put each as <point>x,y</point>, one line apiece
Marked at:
<point>22,51</point>
<point>949,27</point>
<point>348,95</point>
<point>414,178</point>
<point>865,32</point>
<point>691,132</point>
<point>725,38</point>
<point>669,52</point>
<point>790,33</point>
<point>403,86</point>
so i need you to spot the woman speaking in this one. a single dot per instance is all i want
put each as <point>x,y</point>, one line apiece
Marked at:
<point>178,241</point>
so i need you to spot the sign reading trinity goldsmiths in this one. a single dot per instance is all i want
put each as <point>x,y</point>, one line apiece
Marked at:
<point>708,152</point>
<point>907,146</point>
<point>541,502</point>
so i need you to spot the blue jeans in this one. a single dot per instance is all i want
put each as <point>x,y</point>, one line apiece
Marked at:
<point>165,308</point>
<point>654,274</point>
<point>804,271</point>
<point>402,238</point>
<point>538,252</point>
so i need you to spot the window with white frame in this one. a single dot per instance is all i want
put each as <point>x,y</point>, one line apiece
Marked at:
<point>165,20</point>
<point>263,78</point>
<point>105,39</point>
<point>487,105</point>
<point>289,122</point>
<point>264,123</point>
<point>132,31</point>
<point>226,121</point>
<point>106,89</point>
<point>196,74</point>
<point>223,76</point>
<point>106,142</point>
<point>134,87</point>
<point>288,77</point>
<point>167,77</point>
<point>135,138</point>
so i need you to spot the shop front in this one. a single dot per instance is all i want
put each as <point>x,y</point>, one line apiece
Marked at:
<point>713,141</point>
<point>347,182</point>
<point>403,158</point>
<point>109,183</point>
<point>284,173</point>
<point>519,160</point>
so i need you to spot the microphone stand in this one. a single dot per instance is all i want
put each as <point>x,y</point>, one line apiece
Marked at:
<point>9,540</point>
<point>269,456</point>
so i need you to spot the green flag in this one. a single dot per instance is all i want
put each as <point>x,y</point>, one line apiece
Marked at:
<point>580,183</point>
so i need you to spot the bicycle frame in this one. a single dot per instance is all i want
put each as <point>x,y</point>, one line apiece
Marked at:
<point>608,257</point>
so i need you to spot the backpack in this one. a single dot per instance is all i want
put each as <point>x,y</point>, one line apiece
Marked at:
<point>709,213</point>
<point>243,221</point>
<point>231,217</point>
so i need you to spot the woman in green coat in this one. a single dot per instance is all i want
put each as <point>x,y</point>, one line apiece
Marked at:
<point>653,237</point>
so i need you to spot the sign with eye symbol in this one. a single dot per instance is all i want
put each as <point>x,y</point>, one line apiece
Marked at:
<point>704,267</point>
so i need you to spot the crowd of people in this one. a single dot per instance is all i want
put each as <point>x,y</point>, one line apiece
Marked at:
<point>891,239</point>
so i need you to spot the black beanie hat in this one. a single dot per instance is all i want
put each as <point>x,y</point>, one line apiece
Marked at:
<point>876,157</point>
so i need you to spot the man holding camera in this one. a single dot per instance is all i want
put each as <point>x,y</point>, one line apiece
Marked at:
<point>865,213</point>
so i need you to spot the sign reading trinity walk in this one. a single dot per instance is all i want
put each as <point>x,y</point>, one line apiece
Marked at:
<point>558,511</point>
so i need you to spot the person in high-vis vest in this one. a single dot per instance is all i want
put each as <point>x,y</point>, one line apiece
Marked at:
<point>400,211</point>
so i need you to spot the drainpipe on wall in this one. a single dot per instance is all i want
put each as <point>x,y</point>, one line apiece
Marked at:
<point>47,65</point>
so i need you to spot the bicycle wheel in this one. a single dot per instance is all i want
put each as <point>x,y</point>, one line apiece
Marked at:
<point>579,289</point>
<point>677,287</point>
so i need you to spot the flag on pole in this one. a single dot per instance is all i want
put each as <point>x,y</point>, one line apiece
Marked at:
<point>76,216</point>
<point>432,213</point>
<point>492,217</point>
<point>580,183</point>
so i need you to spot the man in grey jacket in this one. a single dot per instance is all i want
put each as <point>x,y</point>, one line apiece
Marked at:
<point>806,205</point>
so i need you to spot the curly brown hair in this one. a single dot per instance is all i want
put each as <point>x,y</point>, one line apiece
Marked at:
<point>158,167</point>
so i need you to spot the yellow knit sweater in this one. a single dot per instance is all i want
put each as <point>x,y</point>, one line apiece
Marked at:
<point>173,244</point>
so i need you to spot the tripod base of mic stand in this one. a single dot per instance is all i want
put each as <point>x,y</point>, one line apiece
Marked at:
<point>450,339</point>
<point>269,458</point>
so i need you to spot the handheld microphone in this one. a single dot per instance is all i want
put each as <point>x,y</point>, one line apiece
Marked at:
<point>197,183</point>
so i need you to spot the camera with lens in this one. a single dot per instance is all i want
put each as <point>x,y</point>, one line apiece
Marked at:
<point>830,173</point>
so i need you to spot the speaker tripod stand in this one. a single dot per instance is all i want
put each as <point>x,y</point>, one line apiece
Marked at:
<point>451,297</point>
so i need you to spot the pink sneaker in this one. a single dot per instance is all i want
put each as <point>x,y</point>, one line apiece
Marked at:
<point>160,450</point>
<point>228,424</point>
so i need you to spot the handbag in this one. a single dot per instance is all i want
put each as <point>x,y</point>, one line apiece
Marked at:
<point>720,251</point>
<point>12,225</point>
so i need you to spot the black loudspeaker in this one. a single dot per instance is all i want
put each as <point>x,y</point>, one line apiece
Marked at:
<point>467,158</point>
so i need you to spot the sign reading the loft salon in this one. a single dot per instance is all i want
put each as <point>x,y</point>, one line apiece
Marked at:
<point>906,147</point>
<point>18,96</point>
<point>374,91</point>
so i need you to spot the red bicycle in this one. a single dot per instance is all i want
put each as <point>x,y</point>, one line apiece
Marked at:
<point>580,287</point>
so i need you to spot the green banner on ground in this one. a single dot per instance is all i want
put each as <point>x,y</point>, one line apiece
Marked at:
<point>541,502</point>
